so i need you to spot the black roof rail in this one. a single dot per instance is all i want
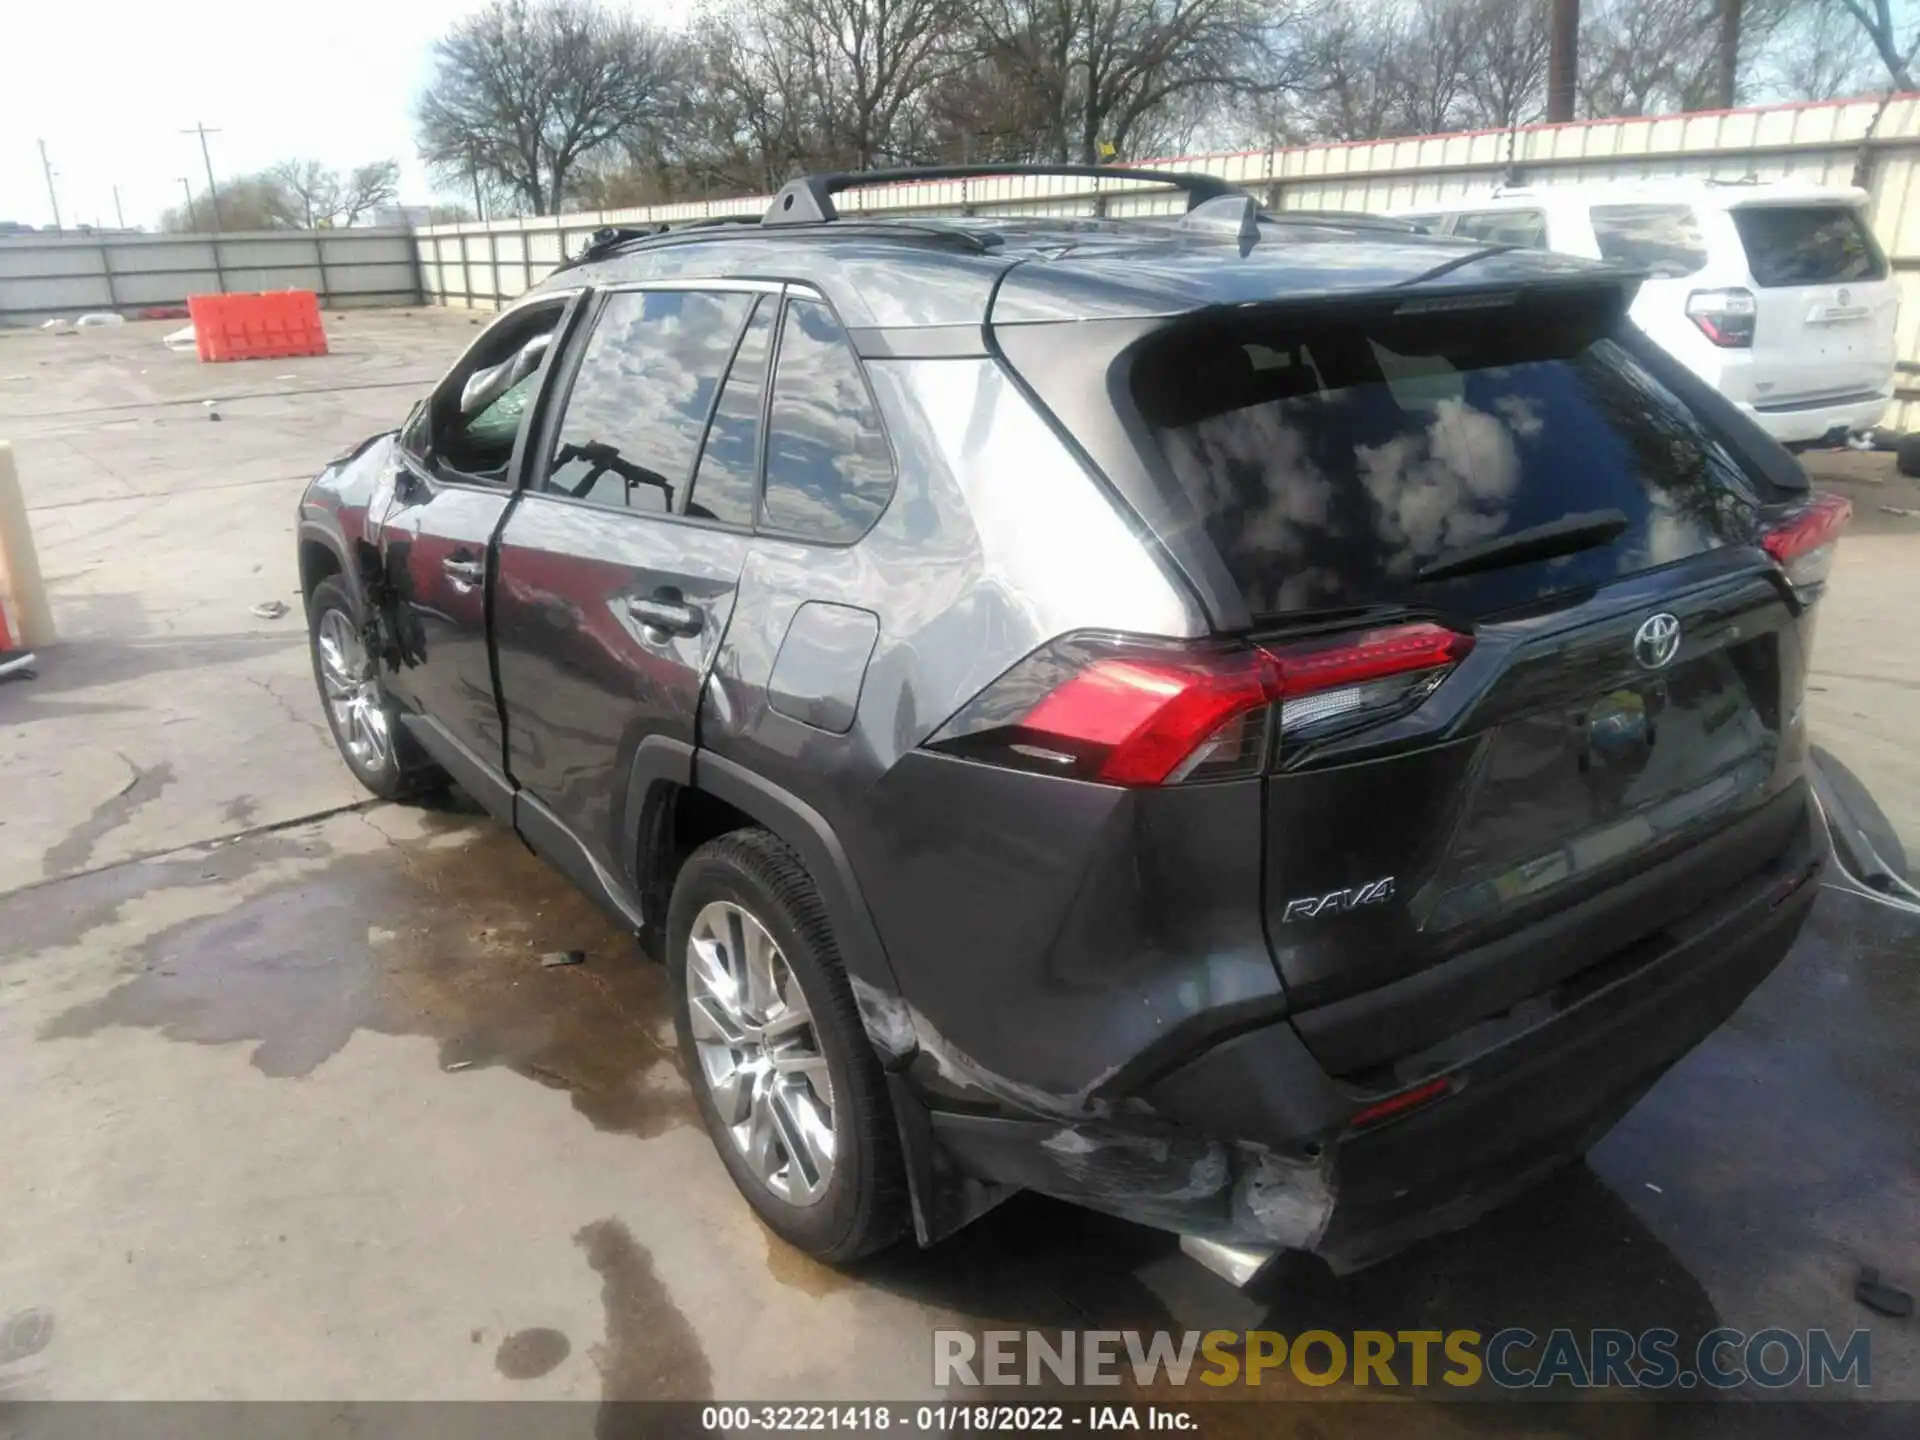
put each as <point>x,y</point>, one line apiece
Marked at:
<point>809,199</point>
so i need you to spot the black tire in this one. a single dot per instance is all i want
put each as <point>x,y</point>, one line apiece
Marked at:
<point>402,769</point>
<point>1906,454</point>
<point>864,1206</point>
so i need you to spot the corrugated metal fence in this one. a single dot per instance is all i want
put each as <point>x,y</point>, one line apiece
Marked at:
<point>486,264</point>
<point>43,275</point>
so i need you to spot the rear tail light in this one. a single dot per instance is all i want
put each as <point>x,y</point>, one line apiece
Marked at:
<point>1136,712</point>
<point>1382,1111</point>
<point>1346,678</point>
<point>1724,316</point>
<point>1805,539</point>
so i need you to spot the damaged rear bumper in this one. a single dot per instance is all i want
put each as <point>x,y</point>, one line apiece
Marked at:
<point>1252,1145</point>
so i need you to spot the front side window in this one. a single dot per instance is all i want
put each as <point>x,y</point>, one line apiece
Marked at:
<point>642,397</point>
<point>467,429</point>
<point>1663,240</point>
<point>829,471</point>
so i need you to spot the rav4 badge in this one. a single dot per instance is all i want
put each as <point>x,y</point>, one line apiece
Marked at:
<point>1338,902</point>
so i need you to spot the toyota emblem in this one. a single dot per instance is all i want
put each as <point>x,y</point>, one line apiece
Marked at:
<point>1657,641</point>
<point>1845,297</point>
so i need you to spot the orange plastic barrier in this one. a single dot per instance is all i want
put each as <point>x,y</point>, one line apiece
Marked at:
<point>268,326</point>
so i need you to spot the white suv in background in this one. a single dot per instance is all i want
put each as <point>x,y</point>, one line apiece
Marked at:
<point>1775,294</point>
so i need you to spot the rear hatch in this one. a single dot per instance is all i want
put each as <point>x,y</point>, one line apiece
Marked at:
<point>1512,475</point>
<point>1825,303</point>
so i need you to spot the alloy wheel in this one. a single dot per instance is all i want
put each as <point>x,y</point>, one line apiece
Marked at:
<point>759,1053</point>
<point>353,694</point>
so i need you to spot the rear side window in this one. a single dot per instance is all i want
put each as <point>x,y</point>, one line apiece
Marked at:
<point>1525,228</point>
<point>1808,245</point>
<point>1663,240</point>
<point>641,397</point>
<point>829,471</point>
<point>1332,462</point>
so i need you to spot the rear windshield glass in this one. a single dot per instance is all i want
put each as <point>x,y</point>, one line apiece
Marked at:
<point>1808,245</point>
<point>1663,240</point>
<point>1331,462</point>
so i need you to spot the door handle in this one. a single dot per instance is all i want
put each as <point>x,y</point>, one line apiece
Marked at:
<point>464,572</point>
<point>673,617</point>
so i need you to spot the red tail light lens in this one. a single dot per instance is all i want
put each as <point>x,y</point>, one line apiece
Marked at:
<point>1383,1110</point>
<point>1129,712</point>
<point>1148,716</point>
<point>1805,540</point>
<point>1725,317</point>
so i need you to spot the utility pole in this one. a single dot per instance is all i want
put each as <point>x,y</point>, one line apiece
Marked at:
<point>213,192</point>
<point>1563,58</point>
<point>193,221</point>
<point>52,198</point>
<point>119,215</point>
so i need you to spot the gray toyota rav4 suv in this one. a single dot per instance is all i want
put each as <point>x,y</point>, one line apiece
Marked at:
<point>1276,726</point>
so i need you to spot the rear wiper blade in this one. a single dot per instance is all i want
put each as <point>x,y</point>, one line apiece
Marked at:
<point>1566,536</point>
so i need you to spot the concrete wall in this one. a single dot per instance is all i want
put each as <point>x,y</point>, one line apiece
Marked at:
<point>44,275</point>
<point>487,264</point>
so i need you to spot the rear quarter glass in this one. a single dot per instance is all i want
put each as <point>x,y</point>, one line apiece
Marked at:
<point>1331,460</point>
<point>1663,240</point>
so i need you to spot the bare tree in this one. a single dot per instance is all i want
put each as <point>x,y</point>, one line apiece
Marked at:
<point>527,90</point>
<point>365,189</point>
<point>756,108</point>
<point>247,202</point>
<point>871,62</point>
<point>1506,61</point>
<point>313,194</point>
<point>1429,68</point>
<point>310,191</point>
<point>1820,53</point>
<point>1645,57</point>
<point>1103,71</point>
<point>1381,69</point>
<point>1350,53</point>
<point>1876,18</point>
<point>981,112</point>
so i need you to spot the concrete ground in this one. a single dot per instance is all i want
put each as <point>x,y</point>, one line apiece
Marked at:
<point>291,1110</point>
